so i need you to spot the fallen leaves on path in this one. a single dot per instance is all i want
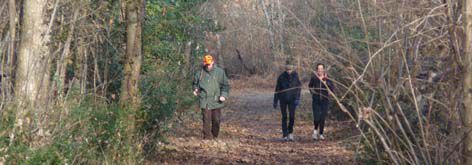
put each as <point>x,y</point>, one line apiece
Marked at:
<point>251,134</point>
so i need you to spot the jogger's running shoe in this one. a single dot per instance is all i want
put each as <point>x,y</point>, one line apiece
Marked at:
<point>290,137</point>
<point>322,137</point>
<point>315,135</point>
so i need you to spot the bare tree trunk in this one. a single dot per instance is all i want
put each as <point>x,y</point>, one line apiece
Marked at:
<point>105,77</point>
<point>96,73</point>
<point>468,83</point>
<point>281,22</point>
<point>187,53</point>
<point>78,67</point>
<point>270,26</point>
<point>133,58</point>
<point>32,72</point>
<point>84,70</point>
<point>132,63</point>
<point>221,61</point>
<point>65,57</point>
<point>10,62</point>
<point>80,57</point>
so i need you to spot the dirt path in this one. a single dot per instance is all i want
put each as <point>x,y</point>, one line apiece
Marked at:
<point>251,134</point>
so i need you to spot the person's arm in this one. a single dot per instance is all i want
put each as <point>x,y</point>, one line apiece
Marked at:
<point>277,89</point>
<point>196,81</point>
<point>311,85</point>
<point>224,86</point>
<point>330,84</point>
<point>298,86</point>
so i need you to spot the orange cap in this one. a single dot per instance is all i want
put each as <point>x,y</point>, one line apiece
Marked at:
<point>207,60</point>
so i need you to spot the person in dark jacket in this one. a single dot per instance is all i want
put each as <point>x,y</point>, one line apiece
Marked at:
<point>211,85</point>
<point>287,92</point>
<point>318,86</point>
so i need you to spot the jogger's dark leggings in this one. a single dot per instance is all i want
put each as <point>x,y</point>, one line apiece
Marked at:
<point>320,110</point>
<point>291,110</point>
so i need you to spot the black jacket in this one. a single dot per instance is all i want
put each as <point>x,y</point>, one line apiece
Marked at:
<point>318,89</point>
<point>288,88</point>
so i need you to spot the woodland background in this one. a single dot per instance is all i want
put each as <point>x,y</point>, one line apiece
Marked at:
<point>101,81</point>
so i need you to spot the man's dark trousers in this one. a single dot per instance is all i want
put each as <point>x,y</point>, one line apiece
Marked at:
<point>211,123</point>
<point>291,110</point>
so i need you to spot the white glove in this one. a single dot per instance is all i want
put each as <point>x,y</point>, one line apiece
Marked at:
<point>195,92</point>
<point>222,99</point>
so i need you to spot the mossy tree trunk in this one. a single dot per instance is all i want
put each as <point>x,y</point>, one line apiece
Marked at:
<point>468,83</point>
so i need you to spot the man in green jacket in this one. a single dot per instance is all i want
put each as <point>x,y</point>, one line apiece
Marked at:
<point>211,85</point>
